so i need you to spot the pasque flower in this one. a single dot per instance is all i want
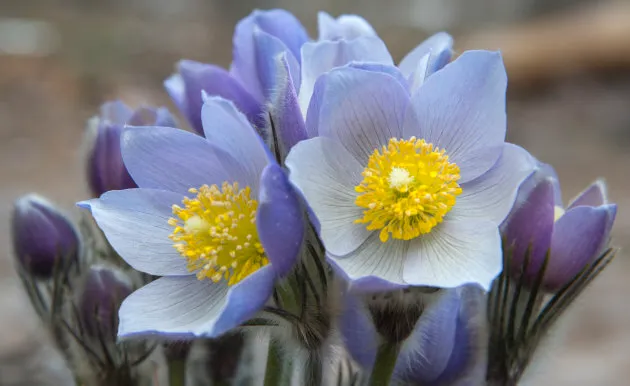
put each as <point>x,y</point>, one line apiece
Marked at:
<point>43,237</point>
<point>214,216</point>
<point>410,184</point>
<point>573,236</point>
<point>105,167</point>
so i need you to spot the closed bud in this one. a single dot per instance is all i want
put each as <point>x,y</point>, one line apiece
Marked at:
<point>539,225</point>
<point>43,237</point>
<point>106,170</point>
<point>103,291</point>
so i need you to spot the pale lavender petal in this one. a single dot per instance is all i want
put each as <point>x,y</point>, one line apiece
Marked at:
<point>461,109</point>
<point>541,172</point>
<point>357,330</point>
<point>426,353</point>
<point>344,27</point>
<point>439,47</point>
<point>176,89</point>
<point>214,80</point>
<point>135,222</point>
<point>378,67</point>
<point>578,236</point>
<point>244,300</point>
<point>326,174</point>
<point>226,128</point>
<point>455,253</point>
<point>176,160</point>
<point>278,23</point>
<point>268,48</point>
<point>178,307</point>
<point>115,112</point>
<point>375,258</point>
<point>284,110</point>
<point>492,195</point>
<point>594,195</point>
<point>321,57</point>
<point>530,225</point>
<point>361,109</point>
<point>279,219</point>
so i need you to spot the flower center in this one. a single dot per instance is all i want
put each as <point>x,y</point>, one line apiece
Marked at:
<point>216,232</point>
<point>408,187</point>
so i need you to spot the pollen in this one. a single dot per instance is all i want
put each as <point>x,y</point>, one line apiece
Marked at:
<point>216,233</point>
<point>408,187</point>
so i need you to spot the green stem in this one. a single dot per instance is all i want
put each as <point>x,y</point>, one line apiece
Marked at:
<point>273,372</point>
<point>384,365</point>
<point>177,372</point>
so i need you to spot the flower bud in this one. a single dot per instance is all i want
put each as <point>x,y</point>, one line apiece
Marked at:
<point>539,225</point>
<point>42,236</point>
<point>106,170</point>
<point>103,291</point>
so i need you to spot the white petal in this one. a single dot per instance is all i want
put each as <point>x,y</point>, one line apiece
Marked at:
<point>375,258</point>
<point>455,253</point>
<point>326,174</point>
<point>492,195</point>
<point>173,305</point>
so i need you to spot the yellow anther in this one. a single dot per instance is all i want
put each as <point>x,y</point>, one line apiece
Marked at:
<point>408,187</point>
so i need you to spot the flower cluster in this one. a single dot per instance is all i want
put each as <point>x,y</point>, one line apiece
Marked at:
<point>367,217</point>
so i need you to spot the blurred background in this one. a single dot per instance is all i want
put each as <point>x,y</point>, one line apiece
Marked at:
<point>569,104</point>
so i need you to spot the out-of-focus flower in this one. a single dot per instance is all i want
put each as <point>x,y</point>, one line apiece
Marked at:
<point>447,344</point>
<point>574,235</point>
<point>43,237</point>
<point>103,291</point>
<point>411,186</point>
<point>214,216</point>
<point>106,170</point>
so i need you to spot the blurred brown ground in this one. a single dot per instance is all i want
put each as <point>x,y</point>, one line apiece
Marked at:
<point>578,120</point>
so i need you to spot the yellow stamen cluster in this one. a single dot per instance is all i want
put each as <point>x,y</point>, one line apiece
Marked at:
<point>408,187</point>
<point>216,232</point>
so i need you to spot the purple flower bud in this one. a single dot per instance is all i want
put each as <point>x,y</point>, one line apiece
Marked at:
<point>42,236</point>
<point>446,346</point>
<point>106,170</point>
<point>539,223</point>
<point>103,291</point>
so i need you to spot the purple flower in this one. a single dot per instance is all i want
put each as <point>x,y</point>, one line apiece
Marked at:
<point>214,216</point>
<point>408,185</point>
<point>106,170</point>
<point>574,235</point>
<point>102,292</point>
<point>43,237</point>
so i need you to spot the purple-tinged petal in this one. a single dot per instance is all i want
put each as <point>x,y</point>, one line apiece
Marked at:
<point>176,160</point>
<point>541,172</point>
<point>245,299</point>
<point>357,330</point>
<point>135,222</point>
<point>226,128</point>
<point>329,191</point>
<point>375,258</point>
<point>461,109</point>
<point>361,109</point>
<point>149,116</point>
<point>492,195</point>
<point>468,362</point>
<point>321,57</point>
<point>366,284</point>
<point>530,225</point>
<point>578,236</point>
<point>279,219</point>
<point>594,195</point>
<point>344,27</point>
<point>284,110</point>
<point>214,80</point>
<point>278,23</point>
<point>175,307</point>
<point>115,112</point>
<point>268,48</point>
<point>176,89</point>
<point>426,353</point>
<point>378,67</point>
<point>455,252</point>
<point>439,47</point>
